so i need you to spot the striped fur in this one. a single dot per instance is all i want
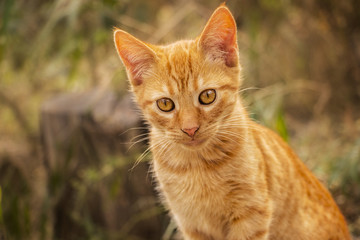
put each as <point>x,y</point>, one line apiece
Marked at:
<point>234,179</point>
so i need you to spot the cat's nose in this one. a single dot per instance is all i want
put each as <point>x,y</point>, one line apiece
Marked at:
<point>190,131</point>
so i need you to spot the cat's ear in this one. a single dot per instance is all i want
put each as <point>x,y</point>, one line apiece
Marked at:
<point>218,39</point>
<point>137,57</point>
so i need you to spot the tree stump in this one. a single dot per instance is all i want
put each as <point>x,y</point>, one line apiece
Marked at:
<point>91,191</point>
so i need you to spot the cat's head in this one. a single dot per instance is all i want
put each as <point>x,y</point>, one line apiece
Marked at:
<point>187,89</point>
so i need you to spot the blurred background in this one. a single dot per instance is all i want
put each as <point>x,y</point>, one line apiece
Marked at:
<point>70,135</point>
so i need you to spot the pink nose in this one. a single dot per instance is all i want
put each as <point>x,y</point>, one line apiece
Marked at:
<point>190,131</point>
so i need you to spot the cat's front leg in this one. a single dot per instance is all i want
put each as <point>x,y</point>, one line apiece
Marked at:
<point>191,234</point>
<point>188,231</point>
<point>258,233</point>
<point>253,226</point>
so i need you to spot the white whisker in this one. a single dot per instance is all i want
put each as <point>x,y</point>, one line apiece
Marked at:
<point>131,129</point>
<point>138,141</point>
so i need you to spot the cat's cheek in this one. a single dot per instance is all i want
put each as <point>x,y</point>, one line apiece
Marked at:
<point>224,109</point>
<point>208,109</point>
<point>159,119</point>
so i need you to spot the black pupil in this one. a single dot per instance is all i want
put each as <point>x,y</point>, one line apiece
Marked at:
<point>208,94</point>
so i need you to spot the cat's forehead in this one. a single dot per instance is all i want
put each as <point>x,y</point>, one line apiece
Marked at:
<point>180,56</point>
<point>181,66</point>
<point>183,71</point>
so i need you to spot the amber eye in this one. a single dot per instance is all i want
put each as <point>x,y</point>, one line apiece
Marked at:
<point>207,96</point>
<point>165,104</point>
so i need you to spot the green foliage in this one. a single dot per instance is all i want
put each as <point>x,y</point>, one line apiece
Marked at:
<point>266,106</point>
<point>280,125</point>
<point>344,171</point>
<point>15,214</point>
<point>5,19</point>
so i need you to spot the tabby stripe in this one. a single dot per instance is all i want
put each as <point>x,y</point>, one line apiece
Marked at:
<point>258,234</point>
<point>228,87</point>
<point>146,103</point>
<point>249,212</point>
<point>171,89</point>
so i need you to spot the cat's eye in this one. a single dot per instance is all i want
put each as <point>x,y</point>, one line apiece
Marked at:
<point>165,104</point>
<point>207,96</point>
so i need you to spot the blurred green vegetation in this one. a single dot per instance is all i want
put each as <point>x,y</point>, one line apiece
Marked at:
<point>301,77</point>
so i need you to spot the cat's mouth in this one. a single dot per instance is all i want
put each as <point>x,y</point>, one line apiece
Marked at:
<point>194,142</point>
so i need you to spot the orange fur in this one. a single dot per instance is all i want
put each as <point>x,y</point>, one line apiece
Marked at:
<point>221,175</point>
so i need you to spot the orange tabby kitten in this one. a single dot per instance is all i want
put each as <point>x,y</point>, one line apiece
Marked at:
<point>221,175</point>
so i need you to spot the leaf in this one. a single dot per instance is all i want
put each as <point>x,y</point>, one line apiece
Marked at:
<point>281,126</point>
